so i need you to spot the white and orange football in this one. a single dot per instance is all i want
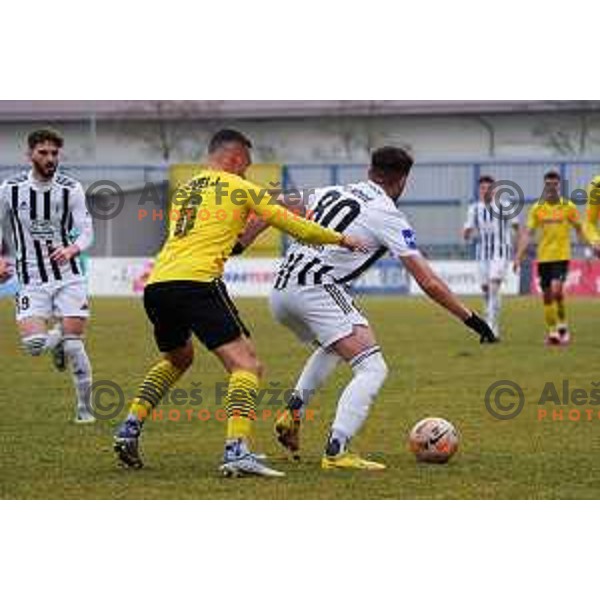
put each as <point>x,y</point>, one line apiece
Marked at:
<point>433,440</point>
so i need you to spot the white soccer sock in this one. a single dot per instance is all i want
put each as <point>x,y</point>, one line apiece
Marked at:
<point>317,369</point>
<point>38,343</point>
<point>370,372</point>
<point>487,299</point>
<point>81,369</point>
<point>54,337</point>
<point>35,344</point>
<point>494,305</point>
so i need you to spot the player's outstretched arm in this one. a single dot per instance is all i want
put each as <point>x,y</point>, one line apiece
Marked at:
<point>256,225</point>
<point>254,228</point>
<point>434,286</point>
<point>304,230</point>
<point>309,232</point>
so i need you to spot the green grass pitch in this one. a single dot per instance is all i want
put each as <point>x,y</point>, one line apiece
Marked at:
<point>437,368</point>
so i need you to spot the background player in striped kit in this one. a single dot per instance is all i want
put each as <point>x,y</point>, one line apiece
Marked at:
<point>493,234</point>
<point>44,207</point>
<point>311,298</point>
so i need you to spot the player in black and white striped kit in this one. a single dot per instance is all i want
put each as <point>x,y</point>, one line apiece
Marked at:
<point>311,298</point>
<point>41,208</point>
<point>493,233</point>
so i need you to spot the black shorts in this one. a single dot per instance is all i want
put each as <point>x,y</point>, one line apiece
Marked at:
<point>179,308</point>
<point>552,271</point>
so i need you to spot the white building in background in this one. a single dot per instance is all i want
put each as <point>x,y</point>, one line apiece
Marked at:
<point>155,132</point>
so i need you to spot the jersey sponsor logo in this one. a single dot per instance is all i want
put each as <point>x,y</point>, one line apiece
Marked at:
<point>410,238</point>
<point>41,229</point>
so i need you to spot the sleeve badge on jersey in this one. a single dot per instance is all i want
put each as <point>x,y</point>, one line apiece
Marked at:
<point>410,238</point>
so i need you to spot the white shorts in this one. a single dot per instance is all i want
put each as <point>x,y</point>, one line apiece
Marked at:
<point>319,313</point>
<point>56,299</point>
<point>491,270</point>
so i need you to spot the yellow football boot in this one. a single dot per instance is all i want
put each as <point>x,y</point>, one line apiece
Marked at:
<point>347,460</point>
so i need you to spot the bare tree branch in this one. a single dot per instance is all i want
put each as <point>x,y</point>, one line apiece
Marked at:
<point>174,128</point>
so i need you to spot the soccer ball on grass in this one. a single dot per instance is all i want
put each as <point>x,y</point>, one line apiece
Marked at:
<point>433,440</point>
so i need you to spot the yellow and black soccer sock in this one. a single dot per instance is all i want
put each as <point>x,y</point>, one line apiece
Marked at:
<point>241,404</point>
<point>155,385</point>
<point>561,312</point>
<point>550,316</point>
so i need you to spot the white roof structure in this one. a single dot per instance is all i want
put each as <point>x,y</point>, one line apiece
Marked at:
<point>75,110</point>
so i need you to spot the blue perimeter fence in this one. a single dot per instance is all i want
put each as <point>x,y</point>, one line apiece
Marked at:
<point>435,200</point>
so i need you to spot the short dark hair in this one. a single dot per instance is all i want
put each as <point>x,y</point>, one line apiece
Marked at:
<point>39,136</point>
<point>226,136</point>
<point>486,179</point>
<point>391,161</point>
<point>552,175</point>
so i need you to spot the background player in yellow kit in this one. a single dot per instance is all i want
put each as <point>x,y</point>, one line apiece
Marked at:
<point>185,295</point>
<point>592,212</point>
<point>553,216</point>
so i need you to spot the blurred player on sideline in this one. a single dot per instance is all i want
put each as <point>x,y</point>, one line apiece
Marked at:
<point>43,207</point>
<point>185,294</point>
<point>553,216</point>
<point>311,298</point>
<point>493,235</point>
<point>592,214</point>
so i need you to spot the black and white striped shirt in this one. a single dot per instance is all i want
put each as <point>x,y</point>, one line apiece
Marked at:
<point>493,231</point>
<point>360,209</point>
<point>42,216</point>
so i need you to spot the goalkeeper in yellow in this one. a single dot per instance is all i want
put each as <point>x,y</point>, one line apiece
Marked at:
<point>553,216</point>
<point>185,295</point>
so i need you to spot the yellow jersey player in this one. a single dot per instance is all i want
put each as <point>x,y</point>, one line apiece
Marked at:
<point>185,295</point>
<point>592,213</point>
<point>554,217</point>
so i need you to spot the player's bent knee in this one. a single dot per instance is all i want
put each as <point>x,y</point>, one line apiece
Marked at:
<point>73,344</point>
<point>251,364</point>
<point>181,358</point>
<point>186,362</point>
<point>379,368</point>
<point>34,345</point>
<point>370,372</point>
<point>260,369</point>
<point>182,362</point>
<point>371,363</point>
